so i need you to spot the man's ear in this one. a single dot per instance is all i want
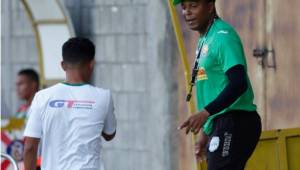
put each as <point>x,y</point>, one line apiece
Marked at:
<point>211,7</point>
<point>35,85</point>
<point>63,65</point>
<point>92,64</point>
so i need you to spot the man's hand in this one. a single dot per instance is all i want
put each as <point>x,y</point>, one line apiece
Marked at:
<point>195,122</point>
<point>200,146</point>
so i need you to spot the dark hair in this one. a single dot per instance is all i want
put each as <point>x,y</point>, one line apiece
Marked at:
<point>78,50</point>
<point>30,73</point>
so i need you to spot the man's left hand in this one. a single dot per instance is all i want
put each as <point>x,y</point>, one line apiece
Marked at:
<point>195,122</point>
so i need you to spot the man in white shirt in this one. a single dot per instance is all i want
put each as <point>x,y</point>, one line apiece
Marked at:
<point>70,117</point>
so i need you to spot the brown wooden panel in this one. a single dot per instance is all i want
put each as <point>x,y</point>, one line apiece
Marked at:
<point>247,17</point>
<point>283,95</point>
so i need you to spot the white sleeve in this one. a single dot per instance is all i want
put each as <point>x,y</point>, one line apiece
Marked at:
<point>34,123</point>
<point>110,122</point>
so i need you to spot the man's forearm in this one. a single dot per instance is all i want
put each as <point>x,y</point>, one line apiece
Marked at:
<point>30,157</point>
<point>30,152</point>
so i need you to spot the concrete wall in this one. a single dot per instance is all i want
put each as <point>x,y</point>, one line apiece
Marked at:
<point>18,50</point>
<point>136,58</point>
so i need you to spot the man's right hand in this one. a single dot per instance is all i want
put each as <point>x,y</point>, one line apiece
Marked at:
<point>200,146</point>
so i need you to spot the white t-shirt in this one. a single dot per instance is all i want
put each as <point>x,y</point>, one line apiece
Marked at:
<point>70,120</point>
